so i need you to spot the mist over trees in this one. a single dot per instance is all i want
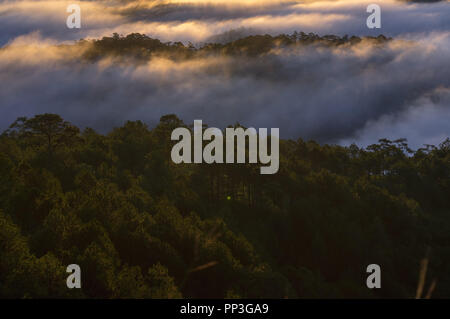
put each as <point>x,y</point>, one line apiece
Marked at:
<point>143,47</point>
<point>327,88</point>
<point>140,226</point>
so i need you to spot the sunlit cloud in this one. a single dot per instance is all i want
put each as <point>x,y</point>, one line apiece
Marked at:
<point>197,21</point>
<point>352,93</point>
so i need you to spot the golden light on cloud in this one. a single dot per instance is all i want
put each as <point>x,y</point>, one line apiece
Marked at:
<point>294,20</point>
<point>197,30</point>
<point>44,11</point>
<point>199,20</point>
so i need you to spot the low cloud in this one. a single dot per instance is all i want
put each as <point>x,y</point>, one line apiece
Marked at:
<point>342,95</point>
<point>425,121</point>
<point>347,94</point>
<point>197,21</point>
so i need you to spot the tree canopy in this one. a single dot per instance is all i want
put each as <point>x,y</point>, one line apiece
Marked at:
<point>142,47</point>
<point>140,226</point>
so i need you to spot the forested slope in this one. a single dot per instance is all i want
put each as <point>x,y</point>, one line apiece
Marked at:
<point>143,47</point>
<point>141,226</point>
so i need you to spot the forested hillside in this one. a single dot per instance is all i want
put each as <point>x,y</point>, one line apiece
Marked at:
<point>140,226</point>
<point>143,47</point>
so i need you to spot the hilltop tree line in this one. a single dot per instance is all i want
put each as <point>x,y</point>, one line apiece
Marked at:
<point>140,46</point>
<point>141,226</point>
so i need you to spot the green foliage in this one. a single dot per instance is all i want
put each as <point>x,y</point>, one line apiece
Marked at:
<point>142,47</point>
<point>142,227</point>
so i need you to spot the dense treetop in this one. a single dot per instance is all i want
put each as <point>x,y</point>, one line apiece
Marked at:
<point>143,47</point>
<point>140,226</point>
